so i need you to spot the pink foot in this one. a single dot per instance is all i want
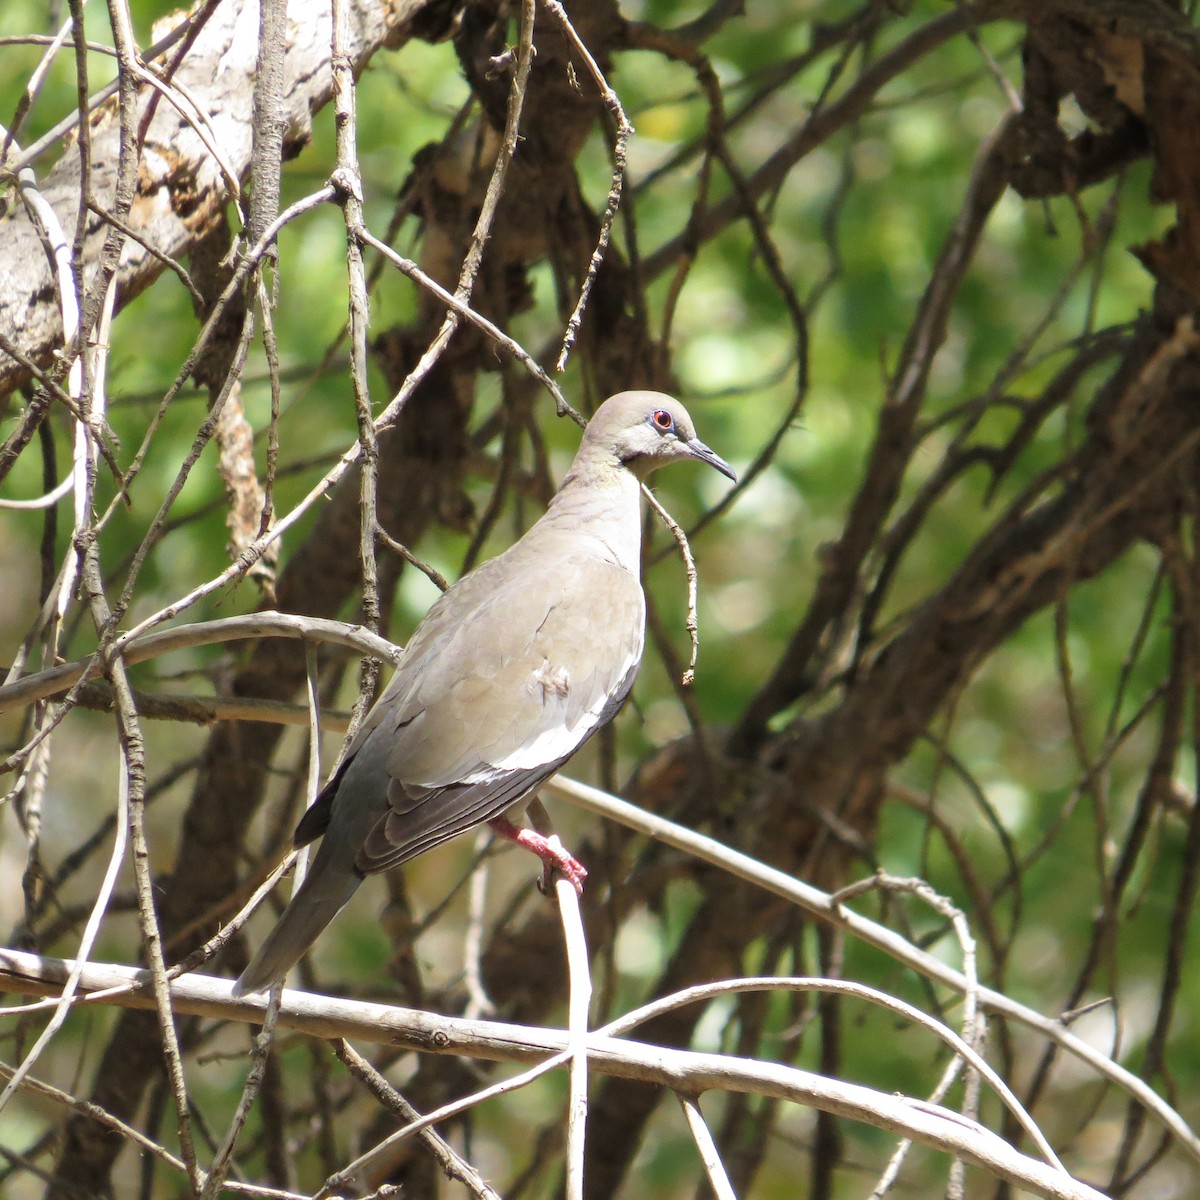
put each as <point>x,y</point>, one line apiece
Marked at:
<point>549,851</point>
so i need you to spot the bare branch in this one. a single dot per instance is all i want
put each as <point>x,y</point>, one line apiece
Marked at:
<point>680,1070</point>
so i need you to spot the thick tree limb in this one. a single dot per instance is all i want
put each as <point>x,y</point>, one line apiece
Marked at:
<point>182,188</point>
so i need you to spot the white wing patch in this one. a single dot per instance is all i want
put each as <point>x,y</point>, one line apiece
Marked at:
<point>559,740</point>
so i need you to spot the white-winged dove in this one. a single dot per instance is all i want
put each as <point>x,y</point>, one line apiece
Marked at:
<point>509,673</point>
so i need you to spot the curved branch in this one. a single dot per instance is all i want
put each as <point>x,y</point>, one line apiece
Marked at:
<point>685,1071</point>
<point>829,908</point>
<point>202,633</point>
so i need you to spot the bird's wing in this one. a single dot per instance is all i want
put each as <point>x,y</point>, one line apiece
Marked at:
<point>319,813</point>
<point>498,696</point>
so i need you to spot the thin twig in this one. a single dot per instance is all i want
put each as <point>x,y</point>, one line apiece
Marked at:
<point>710,1156</point>
<point>958,921</point>
<point>473,259</point>
<point>223,1159</point>
<point>430,572</point>
<point>133,777</point>
<point>62,1003</point>
<point>351,198</point>
<point>94,1112</point>
<point>577,1031</point>
<point>452,1164</point>
<point>513,347</point>
<point>612,203</point>
<point>692,623</point>
<point>479,1003</point>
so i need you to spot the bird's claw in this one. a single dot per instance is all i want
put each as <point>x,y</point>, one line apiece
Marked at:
<point>571,869</point>
<point>554,856</point>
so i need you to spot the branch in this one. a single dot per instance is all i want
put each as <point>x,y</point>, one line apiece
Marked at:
<point>201,633</point>
<point>827,908</point>
<point>97,696</point>
<point>181,187</point>
<point>684,1071</point>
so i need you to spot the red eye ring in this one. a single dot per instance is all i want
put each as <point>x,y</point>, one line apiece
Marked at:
<point>663,420</point>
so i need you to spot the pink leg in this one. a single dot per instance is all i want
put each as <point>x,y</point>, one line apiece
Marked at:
<point>551,853</point>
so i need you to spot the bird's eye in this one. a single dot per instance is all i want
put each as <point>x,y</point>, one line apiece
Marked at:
<point>663,421</point>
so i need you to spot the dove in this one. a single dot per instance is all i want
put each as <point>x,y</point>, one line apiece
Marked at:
<point>510,672</point>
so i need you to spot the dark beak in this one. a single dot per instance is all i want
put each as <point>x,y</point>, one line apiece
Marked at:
<point>698,450</point>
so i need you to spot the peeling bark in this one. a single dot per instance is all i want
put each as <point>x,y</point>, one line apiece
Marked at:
<point>182,190</point>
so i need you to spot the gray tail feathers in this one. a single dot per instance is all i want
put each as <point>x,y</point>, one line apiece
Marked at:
<point>318,901</point>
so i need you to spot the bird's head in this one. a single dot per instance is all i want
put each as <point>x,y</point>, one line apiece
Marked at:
<point>643,431</point>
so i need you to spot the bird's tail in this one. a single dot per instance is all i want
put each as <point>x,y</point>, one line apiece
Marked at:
<point>320,898</point>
